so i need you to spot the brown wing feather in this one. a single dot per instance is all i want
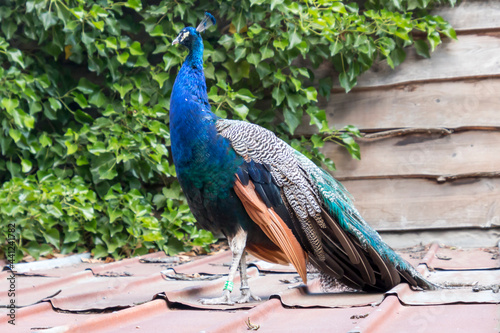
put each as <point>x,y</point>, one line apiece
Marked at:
<point>266,253</point>
<point>273,226</point>
<point>390,275</point>
<point>347,245</point>
<point>366,269</point>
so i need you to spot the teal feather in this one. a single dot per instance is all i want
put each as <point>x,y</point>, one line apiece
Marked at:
<point>340,205</point>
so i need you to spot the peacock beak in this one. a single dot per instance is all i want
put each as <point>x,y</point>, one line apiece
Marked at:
<point>176,41</point>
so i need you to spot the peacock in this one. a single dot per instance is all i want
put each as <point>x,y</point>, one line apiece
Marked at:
<point>267,198</point>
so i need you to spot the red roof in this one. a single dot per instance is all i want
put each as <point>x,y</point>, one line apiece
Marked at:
<point>154,293</point>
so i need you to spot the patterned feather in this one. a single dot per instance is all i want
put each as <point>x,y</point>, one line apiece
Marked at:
<point>339,239</point>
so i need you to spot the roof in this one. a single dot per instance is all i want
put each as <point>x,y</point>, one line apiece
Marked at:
<point>156,293</point>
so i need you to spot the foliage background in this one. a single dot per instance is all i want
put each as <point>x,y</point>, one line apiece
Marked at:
<point>84,100</point>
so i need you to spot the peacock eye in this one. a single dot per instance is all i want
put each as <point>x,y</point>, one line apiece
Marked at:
<point>184,35</point>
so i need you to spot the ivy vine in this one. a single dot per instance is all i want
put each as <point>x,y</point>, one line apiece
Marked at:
<point>84,102</point>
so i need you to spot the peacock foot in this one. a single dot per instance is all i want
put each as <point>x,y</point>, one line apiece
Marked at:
<point>247,296</point>
<point>225,299</point>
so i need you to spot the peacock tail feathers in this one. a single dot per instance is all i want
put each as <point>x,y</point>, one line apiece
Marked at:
<point>339,202</point>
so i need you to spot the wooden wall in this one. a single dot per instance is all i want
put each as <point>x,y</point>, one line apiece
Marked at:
<point>431,153</point>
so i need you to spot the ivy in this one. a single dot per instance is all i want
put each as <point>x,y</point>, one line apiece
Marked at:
<point>85,93</point>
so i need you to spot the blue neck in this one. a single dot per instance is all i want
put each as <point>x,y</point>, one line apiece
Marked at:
<point>198,150</point>
<point>191,120</point>
<point>195,56</point>
<point>190,84</point>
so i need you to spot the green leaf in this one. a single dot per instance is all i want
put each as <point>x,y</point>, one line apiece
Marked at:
<point>48,19</point>
<point>422,48</point>
<point>335,48</point>
<point>111,43</point>
<point>71,237</point>
<point>157,31</point>
<point>135,49</point>
<point>134,4</point>
<point>318,118</point>
<point>311,94</point>
<point>82,160</point>
<point>87,211</point>
<point>88,39</point>
<point>296,83</point>
<point>15,134</point>
<point>98,99</point>
<point>434,40</point>
<point>280,76</point>
<point>52,237</point>
<point>114,214</point>
<point>45,140</point>
<point>245,95</point>
<point>353,130</point>
<point>81,100</point>
<point>72,148</point>
<point>9,28</point>
<point>10,104</point>
<point>263,69</point>
<point>29,121</point>
<point>398,56</point>
<point>450,32</point>
<point>98,24</point>
<point>345,82</point>
<point>86,87</point>
<point>54,104</point>
<point>237,71</point>
<point>139,97</point>
<point>317,141</point>
<point>338,7</point>
<point>255,29</point>
<point>239,53</point>
<point>266,52</point>
<point>123,90</point>
<point>122,58</point>
<point>26,165</point>
<point>278,95</point>
<point>78,12</point>
<point>253,58</point>
<point>352,146</point>
<point>281,43</point>
<point>294,39</point>
<point>241,110</point>
<point>239,21</point>
<point>16,56</point>
<point>352,7</point>
<point>99,252</point>
<point>292,119</point>
<point>83,117</point>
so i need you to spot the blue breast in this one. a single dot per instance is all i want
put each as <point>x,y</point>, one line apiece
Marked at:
<point>203,159</point>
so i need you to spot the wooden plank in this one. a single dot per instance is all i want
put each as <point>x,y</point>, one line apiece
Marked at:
<point>472,15</point>
<point>438,104</point>
<point>398,204</point>
<point>455,237</point>
<point>458,153</point>
<point>472,56</point>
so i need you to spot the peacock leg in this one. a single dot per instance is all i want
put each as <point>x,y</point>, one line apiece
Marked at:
<point>237,245</point>
<point>246,294</point>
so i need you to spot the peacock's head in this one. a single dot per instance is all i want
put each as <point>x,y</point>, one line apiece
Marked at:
<point>186,37</point>
<point>189,35</point>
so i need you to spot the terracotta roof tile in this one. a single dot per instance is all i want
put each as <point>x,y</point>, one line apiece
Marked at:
<point>154,293</point>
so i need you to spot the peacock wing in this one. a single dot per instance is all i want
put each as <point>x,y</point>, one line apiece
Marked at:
<point>298,213</point>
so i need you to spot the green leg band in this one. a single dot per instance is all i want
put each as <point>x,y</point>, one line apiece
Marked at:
<point>228,286</point>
